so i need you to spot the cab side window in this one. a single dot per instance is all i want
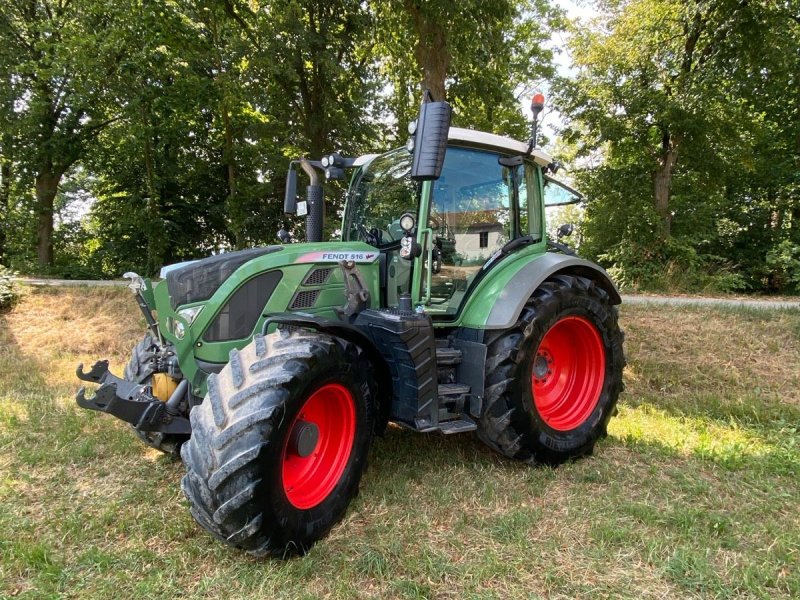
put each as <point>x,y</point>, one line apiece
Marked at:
<point>471,218</point>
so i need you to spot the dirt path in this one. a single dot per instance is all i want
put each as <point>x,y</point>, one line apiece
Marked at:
<point>703,301</point>
<point>71,282</point>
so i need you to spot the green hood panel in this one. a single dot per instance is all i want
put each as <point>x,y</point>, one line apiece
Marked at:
<point>311,282</point>
<point>198,280</point>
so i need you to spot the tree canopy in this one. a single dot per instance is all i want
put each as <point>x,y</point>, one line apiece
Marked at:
<point>137,134</point>
<point>690,110</point>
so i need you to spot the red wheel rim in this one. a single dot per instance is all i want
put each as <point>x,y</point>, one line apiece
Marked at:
<point>568,372</point>
<point>310,473</point>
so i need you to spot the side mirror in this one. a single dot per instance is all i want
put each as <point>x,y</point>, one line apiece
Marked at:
<point>429,141</point>
<point>565,230</point>
<point>290,199</point>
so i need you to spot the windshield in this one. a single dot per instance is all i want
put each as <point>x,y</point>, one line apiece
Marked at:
<point>380,193</point>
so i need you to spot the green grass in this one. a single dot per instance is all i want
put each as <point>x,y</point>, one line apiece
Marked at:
<point>694,493</point>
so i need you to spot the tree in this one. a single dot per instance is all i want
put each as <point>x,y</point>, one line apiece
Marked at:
<point>680,101</point>
<point>316,68</point>
<point>479,55</point>
<point>6,158</point>
<point>57,59</point>
<point>650,84</point>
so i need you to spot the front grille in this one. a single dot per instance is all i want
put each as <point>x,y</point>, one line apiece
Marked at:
<point>305,299</point>
<point>318,276</point>
<point>238,316</point>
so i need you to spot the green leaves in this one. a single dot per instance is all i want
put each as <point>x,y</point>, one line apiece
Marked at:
<point>690,107</point>
<point>484,54</point>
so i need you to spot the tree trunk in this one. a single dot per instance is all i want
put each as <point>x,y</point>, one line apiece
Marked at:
<point>154,224</point>
<point>230,164</point>
<point>794,200</point>
<point>662,181</point>
<point>312,93</point>
<point>5,197</point>
<point>431,51</point>
<point>794,227</point>
<point>46,184</point>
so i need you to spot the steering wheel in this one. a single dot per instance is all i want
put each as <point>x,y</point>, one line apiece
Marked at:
<point>367,235</point>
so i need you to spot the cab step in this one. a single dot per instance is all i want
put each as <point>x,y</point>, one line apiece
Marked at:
<point>453,389</point>
<point>457,426</point>
<point>446,357</point>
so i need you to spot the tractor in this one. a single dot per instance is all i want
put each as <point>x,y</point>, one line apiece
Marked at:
<point>443,307</point>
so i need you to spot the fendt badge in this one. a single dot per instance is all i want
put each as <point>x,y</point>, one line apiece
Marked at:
<point>335,257</point>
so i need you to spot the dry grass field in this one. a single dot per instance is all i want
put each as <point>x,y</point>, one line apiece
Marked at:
<point>695,492</point>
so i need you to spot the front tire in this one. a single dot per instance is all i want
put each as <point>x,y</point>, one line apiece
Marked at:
<point>552,382</point>
<point>279,444</point>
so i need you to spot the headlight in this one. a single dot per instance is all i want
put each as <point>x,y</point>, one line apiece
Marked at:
<point>407,222</point>
<point>189,314</point>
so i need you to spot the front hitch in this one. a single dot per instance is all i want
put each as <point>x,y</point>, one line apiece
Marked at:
<point>129,401</point>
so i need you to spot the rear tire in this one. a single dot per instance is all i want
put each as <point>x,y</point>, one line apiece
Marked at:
<point>280,442</point>
<point>140,369</point>
<point>552,381</point>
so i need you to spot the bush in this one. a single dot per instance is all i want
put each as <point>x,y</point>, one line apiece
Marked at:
<point>784,263</point>
<point>669,266</point>
<point>9,293</point>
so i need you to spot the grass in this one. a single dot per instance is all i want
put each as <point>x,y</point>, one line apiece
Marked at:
<point>694,494</point>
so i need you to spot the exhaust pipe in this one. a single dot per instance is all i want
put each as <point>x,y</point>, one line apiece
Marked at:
<point>314,198</point>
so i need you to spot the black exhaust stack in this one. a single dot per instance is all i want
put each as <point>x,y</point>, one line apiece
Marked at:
<point>314,203</point>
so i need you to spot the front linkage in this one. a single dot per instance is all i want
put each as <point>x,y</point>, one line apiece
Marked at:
<point>132,402</point>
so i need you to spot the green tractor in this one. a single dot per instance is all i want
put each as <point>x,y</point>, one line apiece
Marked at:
<point>444,308</point>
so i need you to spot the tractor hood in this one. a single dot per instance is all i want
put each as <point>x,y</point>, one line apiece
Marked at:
<point>197,280</point>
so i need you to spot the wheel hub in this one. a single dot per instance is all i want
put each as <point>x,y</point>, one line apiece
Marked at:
<point>305,436</point>
<point>542,366</point>
<point>567,373</point>
<point>318,444</point>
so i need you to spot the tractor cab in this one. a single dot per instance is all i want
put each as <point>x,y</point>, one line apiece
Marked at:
<point>439,237</point>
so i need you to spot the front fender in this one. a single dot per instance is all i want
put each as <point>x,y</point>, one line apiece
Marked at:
<point>500,303</point>
<point>352,334</point>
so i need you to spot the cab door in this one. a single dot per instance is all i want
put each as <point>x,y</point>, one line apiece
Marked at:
<point>471,216</point>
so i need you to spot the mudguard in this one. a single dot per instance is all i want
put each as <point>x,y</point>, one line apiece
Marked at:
<point>501,310</point>
<point>352,334</point>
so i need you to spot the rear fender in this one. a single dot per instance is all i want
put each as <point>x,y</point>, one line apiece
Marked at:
<point>502,308</point>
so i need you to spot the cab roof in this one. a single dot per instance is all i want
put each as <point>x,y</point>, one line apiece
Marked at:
<point>491,141</point>
<point>481,139</point>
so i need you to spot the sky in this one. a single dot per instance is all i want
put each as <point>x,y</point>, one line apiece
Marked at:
<point>551,120</point>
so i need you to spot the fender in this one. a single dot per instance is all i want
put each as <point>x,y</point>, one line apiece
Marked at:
<point>351,334</point>
<point>501,309</point>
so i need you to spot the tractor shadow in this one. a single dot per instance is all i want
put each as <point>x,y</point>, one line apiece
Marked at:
<point>404,463</point>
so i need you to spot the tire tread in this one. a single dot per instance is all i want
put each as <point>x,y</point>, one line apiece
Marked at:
<point>231,433</point>
<point>499,424</point>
